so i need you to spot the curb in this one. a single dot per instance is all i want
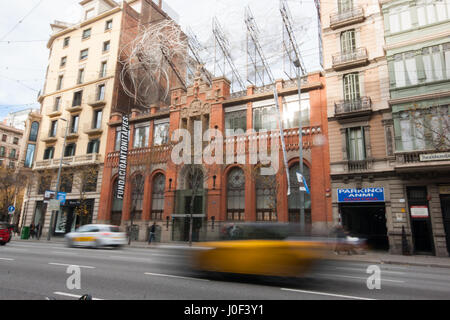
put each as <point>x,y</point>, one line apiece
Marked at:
<point>405,263</point>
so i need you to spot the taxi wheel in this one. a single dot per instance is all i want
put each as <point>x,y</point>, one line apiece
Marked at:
<point>69,243</point>
<point>98,244</point>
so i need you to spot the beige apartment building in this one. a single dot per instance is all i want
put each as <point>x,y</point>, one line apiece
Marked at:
<point>360,122</point>
<point>81,88</point>
<point>10,141</point>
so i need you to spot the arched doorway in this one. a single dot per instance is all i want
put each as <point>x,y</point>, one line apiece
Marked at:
<point>116,206</point>
<point>236,195</point>
<point>266,197</point>
<point>158,187</point>
<point>294,198</point>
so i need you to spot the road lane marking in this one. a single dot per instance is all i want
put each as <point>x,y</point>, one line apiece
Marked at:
<point>67,265</point>
<point>363,270</point>
<point>352,277</point>
<point>7,259</point>
<point>73,295</point>
<point>327,294</point>
<point>172,276</point>
<point>68,253</point>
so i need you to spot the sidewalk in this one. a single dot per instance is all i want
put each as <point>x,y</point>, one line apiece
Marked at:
<point>369,257</point>
<point>386,258</point>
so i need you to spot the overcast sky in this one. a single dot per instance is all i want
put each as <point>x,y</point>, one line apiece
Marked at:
<point>24,55</point>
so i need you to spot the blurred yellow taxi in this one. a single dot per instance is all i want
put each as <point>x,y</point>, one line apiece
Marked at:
<point>260,249</point>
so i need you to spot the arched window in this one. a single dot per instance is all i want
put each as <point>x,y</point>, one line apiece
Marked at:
<point>294,198</point>
<point>236,194</point>
<point>116,208</point>
<point>34,131</point>
<point>159,185</point>
<point>137,196</point>
<point>266,197</point>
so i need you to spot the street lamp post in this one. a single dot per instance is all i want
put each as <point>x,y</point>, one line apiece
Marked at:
<point>50,229</point>
<point>300,143</point>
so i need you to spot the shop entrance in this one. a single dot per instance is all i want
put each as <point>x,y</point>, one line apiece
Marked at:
<point>445,206</point>
<point>367,221</point>
<point>420,220</point>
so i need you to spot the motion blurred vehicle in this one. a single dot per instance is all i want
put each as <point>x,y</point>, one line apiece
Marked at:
<point>262,249</point>
<point>5,233</point>
<point>96,236</point>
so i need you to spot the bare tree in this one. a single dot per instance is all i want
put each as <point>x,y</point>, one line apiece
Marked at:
<point>432,127</point>
<point>12,184</point>
<point>85,181</point>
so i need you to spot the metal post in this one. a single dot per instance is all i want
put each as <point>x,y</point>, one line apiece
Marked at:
<point>50,229</point>
<point>300,145</point>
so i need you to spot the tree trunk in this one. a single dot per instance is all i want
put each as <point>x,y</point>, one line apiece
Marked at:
<point>191,223</point>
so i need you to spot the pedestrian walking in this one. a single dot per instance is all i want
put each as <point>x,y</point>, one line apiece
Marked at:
<point>151,236</point>
<point>38,231</point>
<point>32,230</point>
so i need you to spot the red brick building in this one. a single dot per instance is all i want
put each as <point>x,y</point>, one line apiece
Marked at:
<point>230,192</point>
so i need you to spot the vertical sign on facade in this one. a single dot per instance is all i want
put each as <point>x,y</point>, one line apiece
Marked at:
<point>123,158</point>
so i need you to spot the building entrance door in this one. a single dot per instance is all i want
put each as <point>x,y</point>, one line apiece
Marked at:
<point>366,221</point>
<point>420,220</point>
<point>445,206</point>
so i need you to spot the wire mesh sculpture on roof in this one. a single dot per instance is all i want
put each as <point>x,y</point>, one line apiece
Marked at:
<point>153,62</point>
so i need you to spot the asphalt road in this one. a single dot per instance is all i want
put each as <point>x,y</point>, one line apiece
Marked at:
<point>34,271</point>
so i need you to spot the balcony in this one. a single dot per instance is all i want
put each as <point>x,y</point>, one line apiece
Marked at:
<point>87,159</point>
<point>342,19</point>
<point>94,101</point>
<point>356,58</point>
<point>359,165</point>
<point>50,139</point>
<point>71,108</point>
<point>91,130</point>
<point>353,108</point>
<point>54,113</point>
<point>154,155</point>
<point>425,160</point>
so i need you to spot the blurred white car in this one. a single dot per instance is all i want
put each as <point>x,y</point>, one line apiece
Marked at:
<point>96,235</point>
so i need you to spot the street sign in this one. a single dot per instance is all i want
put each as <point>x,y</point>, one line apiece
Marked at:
<point>54,205</point>
<point>62,197</point>
<point>361,195</point>
<point>11,210</point>
<point>49,195</point>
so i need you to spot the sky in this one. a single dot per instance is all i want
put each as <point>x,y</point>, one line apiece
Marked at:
<point>25,30</point>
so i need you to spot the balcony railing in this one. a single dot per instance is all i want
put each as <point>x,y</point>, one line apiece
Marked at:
<point>423,157</point>
<point>86,159</point>
<point>352,58</point>
<point>359,165</point>
<point>341,19</point>
<point>349,107</point>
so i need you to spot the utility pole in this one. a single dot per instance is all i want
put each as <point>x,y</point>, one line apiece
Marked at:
<point>50,229</point>
<point>300,144</point>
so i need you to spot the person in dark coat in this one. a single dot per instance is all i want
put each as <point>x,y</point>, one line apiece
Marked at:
<point>151,236</point>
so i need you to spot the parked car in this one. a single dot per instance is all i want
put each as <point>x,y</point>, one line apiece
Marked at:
<point>5,233</point>
<point>96,235</point>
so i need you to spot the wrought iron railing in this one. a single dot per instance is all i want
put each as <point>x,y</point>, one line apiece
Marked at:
<point>339,17</point>
<point>350,56</point>
<point>355,105</point>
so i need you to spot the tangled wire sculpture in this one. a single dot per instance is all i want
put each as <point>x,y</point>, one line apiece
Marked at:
<point>151,60</point>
